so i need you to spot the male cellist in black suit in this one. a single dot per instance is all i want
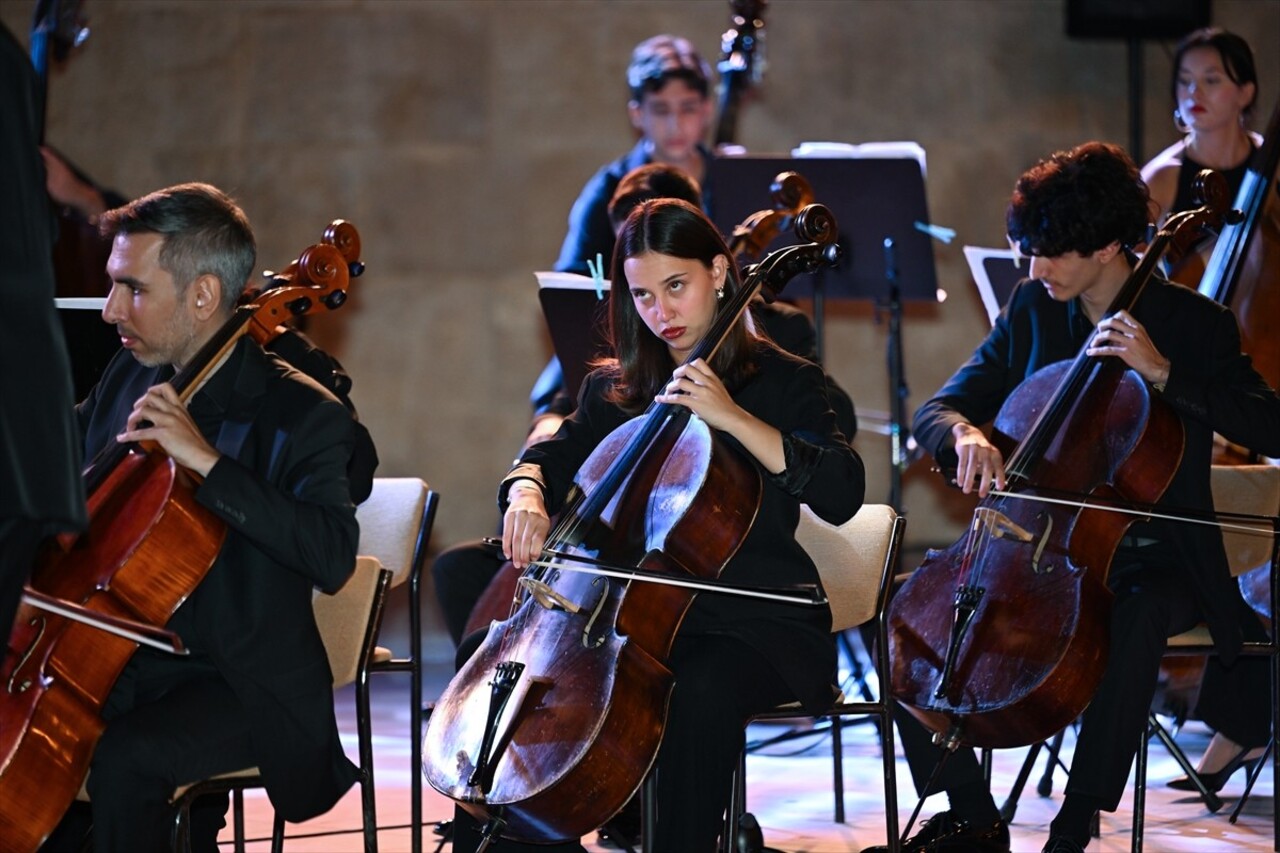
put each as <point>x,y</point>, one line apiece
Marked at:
<point>272,447</point>
<point>1076,215</point>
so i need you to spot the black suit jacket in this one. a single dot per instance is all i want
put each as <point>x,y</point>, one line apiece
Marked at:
<point>281,487</point>
<point>1212,386</point>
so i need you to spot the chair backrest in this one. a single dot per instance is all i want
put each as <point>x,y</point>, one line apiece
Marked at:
<point>852,559</point>
<point>1252,489</point>
<point>392,522</point>
<point>349,618</point>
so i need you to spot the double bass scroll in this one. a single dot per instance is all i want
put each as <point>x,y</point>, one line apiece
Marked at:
<point>741,65</point>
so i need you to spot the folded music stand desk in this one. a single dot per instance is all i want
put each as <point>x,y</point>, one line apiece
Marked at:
<point>577,316</point>
<point>995,272</point>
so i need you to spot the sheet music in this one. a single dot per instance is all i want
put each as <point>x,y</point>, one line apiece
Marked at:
<point>572,281</point>
<point>92,303</point>
<point>995,272</point>
<point>865,151</point>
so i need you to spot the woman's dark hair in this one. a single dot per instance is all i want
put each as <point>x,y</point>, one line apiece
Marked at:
<point>1237,59</point>
<point>642,361</point>
<point>1080,200</point>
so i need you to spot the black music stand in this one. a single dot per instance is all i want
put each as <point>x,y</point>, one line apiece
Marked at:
<point>576,309</point>
<point>887,253</point>
<point>90,342</point>
<point>995,272</point>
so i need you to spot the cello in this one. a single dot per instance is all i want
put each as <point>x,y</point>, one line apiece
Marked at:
<point>552,725</point>
<point>148,545</point>
<point>1000,640</point>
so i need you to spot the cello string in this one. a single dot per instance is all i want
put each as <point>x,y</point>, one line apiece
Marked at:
<point>1257,530</point>
<point>590,567</point>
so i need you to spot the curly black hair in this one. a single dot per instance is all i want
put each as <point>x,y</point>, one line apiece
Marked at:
<point>1080,200</point>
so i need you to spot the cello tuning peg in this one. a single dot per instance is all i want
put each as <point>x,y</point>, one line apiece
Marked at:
<point>356,268</point>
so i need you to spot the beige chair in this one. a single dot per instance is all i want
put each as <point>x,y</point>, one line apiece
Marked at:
<point>1250,490</point>
<point>395,527</point>
<point>856,562</point>
<point>348,621</point>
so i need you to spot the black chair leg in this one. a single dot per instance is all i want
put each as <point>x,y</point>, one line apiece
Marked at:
<point>1140,791</point>
<point>649,811</point>
<point>1010,807</point>
<point>1253,777</point>
<point>237,797</point>
<point>1045,786</point>
<point>368,802</point>
<point>837,768</point>
<point>1211,800</point>
<point>277,833</point>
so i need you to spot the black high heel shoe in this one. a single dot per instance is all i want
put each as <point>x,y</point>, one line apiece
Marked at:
<point>1216,780</point>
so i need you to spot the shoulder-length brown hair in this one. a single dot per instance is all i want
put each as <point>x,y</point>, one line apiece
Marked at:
<point>642,361</point>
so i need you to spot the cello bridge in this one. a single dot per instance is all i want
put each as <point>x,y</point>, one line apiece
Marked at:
<point>546,596</point>
<point>999,525</point>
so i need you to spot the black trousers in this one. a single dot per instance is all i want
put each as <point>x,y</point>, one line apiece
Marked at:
<point>170,721</point>
<point>1152,603</point>
<point>461,574</point>
<point>1236,700</point>
<point>720,683</point>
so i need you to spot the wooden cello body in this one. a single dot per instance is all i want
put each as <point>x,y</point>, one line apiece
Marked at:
<point>593,685</point>
<point>1001,639</point>
<point>1037,641</point>
<point>148,545</point>
<point>552,725</point>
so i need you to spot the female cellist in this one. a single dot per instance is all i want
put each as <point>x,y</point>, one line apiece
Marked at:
<point>1076,214</point>
<point>1214,89</point>
<point>731,656</point>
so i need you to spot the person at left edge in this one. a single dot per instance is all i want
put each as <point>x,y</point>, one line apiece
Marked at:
<point>732,656</point>
<point>41,492</point>
<point>272,447</point>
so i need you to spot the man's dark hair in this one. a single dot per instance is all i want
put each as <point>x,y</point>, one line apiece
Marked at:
<point>650,181</point>
<point>1080,200</point>
<point>205,233</point>
<point>658,60</point>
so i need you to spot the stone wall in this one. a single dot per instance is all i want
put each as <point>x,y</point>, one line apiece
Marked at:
<point>456,133</point>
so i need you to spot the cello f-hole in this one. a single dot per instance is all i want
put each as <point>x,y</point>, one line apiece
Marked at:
<point>595,613</point>
<point>1044,540</point>
<point>14,686</point>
